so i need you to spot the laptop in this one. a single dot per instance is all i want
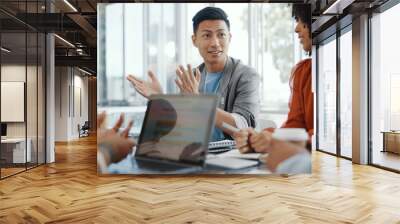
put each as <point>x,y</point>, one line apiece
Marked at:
<point>3,131</point>
<point>175,135</point>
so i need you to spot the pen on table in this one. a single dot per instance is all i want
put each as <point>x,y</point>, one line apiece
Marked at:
<point>230,127</point>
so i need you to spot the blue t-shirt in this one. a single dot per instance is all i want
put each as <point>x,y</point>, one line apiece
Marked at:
<point>211,85</point>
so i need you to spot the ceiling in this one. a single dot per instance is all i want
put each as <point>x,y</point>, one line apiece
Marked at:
<point>332,15</point>
<point>76,23</point>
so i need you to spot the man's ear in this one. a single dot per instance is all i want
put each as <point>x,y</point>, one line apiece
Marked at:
<point>230,37</point>
<point>194,40</point>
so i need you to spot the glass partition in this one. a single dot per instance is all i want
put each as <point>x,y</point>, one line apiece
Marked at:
<point>41,96</point>
<point>22,77</point>
<point>31,98</point>
<point>326,135</point>
<point>13,105</point>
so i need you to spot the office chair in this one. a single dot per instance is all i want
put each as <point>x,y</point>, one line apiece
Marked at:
<point>84,130</point>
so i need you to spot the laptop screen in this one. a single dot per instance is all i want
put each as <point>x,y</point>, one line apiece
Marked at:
<point>3,129</point>
<point>177,128</point>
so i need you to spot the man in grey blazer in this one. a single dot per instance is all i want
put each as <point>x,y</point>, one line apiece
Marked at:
<point>235,83</point>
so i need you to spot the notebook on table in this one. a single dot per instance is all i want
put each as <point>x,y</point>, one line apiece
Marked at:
<point>221,146</point>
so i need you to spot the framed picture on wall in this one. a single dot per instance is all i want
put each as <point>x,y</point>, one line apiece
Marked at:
<point>12,101</point>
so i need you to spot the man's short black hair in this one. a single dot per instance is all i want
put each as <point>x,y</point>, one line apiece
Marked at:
<point>209,13</point>
<point>302,12</point>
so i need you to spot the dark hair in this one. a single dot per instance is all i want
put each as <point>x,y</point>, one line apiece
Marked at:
<point>209,13</point>
<point>302,12</point>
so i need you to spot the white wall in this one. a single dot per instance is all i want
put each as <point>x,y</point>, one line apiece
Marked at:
<point>33,126</point>
<point>16,73</point>
<point>71,94</point>
<point>12,73</point>
<point>50,95</point>
<point>61,104</point>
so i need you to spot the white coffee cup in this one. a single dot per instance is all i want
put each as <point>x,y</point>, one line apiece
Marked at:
<point>296,136</point>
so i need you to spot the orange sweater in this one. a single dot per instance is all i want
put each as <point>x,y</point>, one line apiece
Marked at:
<point>301,105</point>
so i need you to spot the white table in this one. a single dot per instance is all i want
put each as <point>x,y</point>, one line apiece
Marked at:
<point>17,145</point>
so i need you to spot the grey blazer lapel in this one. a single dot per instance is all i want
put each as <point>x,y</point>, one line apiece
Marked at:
<point>203,77</point>
<point>223,88</point>
<point>228,69</point>
<point>227,73</point>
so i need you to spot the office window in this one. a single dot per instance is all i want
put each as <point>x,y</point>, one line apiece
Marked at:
<point>278,50</point>
<point>162,49</point>
<point>115,50</point>
<point>327,96</point>
<point>238,19</point>
<point>385,88</point>
<point>190,53</point>
<point>158,37</point>
<point>133,60</point>
<point>346,94</point>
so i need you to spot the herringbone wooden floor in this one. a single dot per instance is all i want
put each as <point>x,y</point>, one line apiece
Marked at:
<point>70,191</point>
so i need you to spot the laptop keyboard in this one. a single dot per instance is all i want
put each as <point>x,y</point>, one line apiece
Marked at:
<point>158,166</point>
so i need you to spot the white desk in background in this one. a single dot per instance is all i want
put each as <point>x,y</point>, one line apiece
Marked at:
<point>15,147</point>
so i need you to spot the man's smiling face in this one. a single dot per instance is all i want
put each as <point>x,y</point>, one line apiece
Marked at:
<point>212,38</point>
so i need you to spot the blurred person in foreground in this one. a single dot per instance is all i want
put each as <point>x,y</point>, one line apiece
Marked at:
<point>112,145</point>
